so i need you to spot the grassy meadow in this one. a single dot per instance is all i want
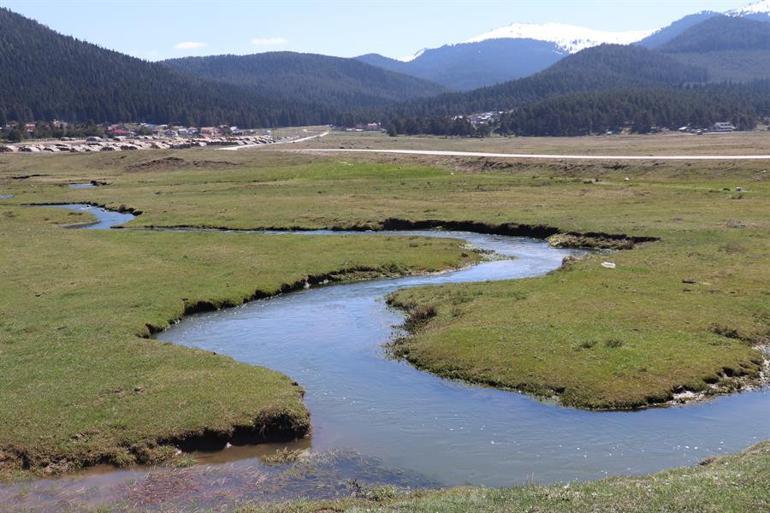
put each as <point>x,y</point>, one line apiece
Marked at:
<point>731,143</point>
<point>684,313</point>
<point>81,383</point>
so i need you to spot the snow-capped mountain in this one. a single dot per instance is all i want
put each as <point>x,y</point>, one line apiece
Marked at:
<point>761,7</point>
<point>569,38</point>
<point>523,49</point>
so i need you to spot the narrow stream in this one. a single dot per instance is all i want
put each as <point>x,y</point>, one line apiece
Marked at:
<point>329,339</point>
<point>105,219</point>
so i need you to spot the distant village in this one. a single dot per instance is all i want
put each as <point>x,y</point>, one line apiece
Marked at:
<point>490,118</point>
<point>60,136</point>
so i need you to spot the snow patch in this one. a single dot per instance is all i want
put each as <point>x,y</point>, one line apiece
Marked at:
<point>570,38</point>
<point>410,58</point>
<point>761,7</point>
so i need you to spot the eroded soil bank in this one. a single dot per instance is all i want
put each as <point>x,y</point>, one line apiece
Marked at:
<point>449,431</point>
<point>140,400</point>
<point>556,237</point>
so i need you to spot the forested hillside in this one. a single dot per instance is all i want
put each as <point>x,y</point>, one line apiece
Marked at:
<point>667,34</point>
<point>46,75</point>
<point>601,68</point>
<point>721,33</point>
<point>333,82</point>
<point>640,110</point>
<point>729,49</point>
<point>693,78</point>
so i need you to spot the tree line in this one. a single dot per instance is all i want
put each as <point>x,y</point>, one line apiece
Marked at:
<point>637,110</point>
<point>641,111</point>
<point>48,76</point>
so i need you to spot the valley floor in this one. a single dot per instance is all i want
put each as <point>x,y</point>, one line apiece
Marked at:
<point>666,144</point>
<point>688,313</point>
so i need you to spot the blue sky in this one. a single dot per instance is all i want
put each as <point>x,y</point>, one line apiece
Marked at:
<point>159,29</point>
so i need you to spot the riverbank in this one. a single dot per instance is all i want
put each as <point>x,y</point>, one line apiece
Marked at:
<point>672,316</point>
<point>83,384</point>
<point>733,484</point>
<point>602,339</point>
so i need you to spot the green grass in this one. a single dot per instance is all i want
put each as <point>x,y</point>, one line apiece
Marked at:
<point>79,381</point>
<point>733,484</point>
<point>595,337</point>
<point>547,336</point>
<point>602,338</point>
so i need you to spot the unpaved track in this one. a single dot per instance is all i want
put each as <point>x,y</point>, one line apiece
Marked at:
<point>292,141</point>
<point>535,156</point>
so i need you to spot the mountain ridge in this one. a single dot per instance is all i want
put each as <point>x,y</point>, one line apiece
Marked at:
<point>319,79</point>
<point>467,66</point>
<point>48,75</point>
<point>719,33</point>
<point>599,68</point>
<point>568,38</point>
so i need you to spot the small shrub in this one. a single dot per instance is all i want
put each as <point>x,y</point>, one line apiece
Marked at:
<point>381,493</point>
<point>151,454</point>
<point>283,456</point>
<point>725,331</point>
<point>122,458</point>
<point>420,315</point>
<point>613,343</point>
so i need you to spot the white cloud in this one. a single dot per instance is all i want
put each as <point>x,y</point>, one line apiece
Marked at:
<point>269,41</point>
<point>189,45</point>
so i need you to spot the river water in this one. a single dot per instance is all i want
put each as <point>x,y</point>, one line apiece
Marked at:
<point>330,340</point>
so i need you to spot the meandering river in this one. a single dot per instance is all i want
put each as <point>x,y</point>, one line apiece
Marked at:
<point>329,339</point>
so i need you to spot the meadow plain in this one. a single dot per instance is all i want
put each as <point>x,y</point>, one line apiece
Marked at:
<point>686,314</point>
<point>82,383</point>
<point>756,142</point>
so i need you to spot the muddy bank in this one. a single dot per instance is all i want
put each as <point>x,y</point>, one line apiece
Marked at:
<point>556,237</point>
<point>173,163</point>
<point>220,487</point>
<point>729,380</point>
<point>122,209</point>
<point>268,426</point>
<point>27,177</point>
<point>348,275</point>
<point>87,185</point>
